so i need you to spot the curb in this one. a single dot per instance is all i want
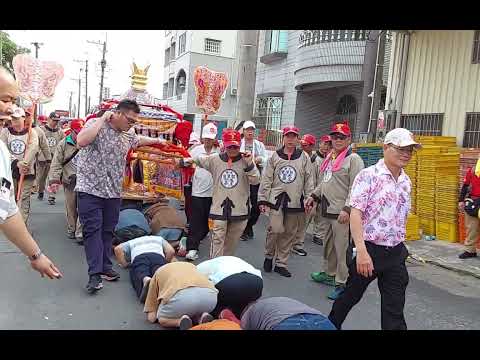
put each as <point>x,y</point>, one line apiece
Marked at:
<point>443,264</point>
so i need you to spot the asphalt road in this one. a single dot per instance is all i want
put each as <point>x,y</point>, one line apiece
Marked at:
<point>436,298</point>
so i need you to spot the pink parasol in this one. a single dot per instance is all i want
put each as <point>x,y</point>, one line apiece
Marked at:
<point>37,81</point>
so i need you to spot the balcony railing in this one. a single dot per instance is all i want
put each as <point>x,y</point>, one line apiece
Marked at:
<point>313,37</point>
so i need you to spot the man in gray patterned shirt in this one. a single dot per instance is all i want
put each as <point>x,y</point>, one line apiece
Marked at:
<point>104,144</point>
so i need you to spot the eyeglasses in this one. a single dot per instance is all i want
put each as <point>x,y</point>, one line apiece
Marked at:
<point>407,150</point>
<point>338,137</point>
<point>129,119</point>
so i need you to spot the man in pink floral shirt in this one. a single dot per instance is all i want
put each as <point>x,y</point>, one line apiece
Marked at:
<point>380,202</point>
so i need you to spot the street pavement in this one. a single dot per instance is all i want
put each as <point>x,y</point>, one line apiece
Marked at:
<point>436,298</point>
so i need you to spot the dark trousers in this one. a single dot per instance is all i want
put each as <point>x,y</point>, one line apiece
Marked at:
<point>255,211</point>
<point>391,271</point>
<point>144,265</point>
<point>237,291</point>
<point>187,192</point>
<point>199,221</point>
<point>99,217</point>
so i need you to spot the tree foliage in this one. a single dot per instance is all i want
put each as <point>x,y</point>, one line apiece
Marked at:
<point>9,49</point>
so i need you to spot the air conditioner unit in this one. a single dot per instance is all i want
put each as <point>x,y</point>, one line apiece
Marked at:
<point>233,91</point>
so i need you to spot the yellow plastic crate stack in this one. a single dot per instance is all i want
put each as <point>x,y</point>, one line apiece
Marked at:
<point>411,170</point>
<point>413,227</point>
<point>446,197</point>
<point>442,141</point>
<point>426,175</point>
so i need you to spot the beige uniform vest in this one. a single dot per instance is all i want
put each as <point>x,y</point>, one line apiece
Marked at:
<point>231,186</point>
<point>286,183</point>
<point>57,170</point>
<point>17,144</point>
<point>335,186</point>
<point>54,136</point>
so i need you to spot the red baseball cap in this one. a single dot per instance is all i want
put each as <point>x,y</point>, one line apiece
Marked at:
<point>290,129</point>
<point>77,125</point>
<point>231,137</point>
<point>42,118</point>
<point>325,138</point>
<point>341,128</point>
<point>308,139</point>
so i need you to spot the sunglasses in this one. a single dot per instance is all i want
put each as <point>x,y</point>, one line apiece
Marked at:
<point>338,137</point>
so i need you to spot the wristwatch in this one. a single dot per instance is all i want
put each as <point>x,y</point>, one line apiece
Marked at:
<point>35,256</point>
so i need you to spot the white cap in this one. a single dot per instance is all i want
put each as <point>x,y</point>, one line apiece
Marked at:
<point>194,139</point>
<point>400,137</point>
<point>249,124</point>
<point>18,112</point>
<point>209,131</point>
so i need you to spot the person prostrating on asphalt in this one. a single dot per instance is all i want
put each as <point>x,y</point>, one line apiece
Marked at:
<point>104,144</point>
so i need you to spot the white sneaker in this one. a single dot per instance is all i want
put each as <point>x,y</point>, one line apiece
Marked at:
<point>192,255</point>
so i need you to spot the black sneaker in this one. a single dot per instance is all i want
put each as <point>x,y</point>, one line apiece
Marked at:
<point>317,240</point>
<point>71,236</point>
<point>282,271</point>
<point>51,201</point>
<point>94,284</point>
<point>244,237</point>
<point>40,196</point>
<point>111,275</point>
<point>267,265</point>
<point>300,252</point>
<point>467,255</point>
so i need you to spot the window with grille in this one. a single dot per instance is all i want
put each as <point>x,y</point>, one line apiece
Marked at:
<point>182,43</point>
<point>165,90</point>
<point>476,48</point>
<point>167,57</point>
<point>268,112</point>
<point>471,136</point>
<point>213,46</point>
<point>423,124</point>
<point>172,51</point>
<point>276,41</point>
<point>170,87</point>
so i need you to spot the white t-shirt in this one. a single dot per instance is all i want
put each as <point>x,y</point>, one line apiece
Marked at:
<point>202,183</point>
<point>222,267</point>
<point>142,245</point>
<point>8,206</point>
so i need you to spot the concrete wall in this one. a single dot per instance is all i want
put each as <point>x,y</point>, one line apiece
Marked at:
<point>228,38</point>
<point>440,77</point>
<point>333,61</point>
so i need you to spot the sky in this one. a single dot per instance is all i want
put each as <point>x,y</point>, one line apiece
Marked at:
<point>123,47</point>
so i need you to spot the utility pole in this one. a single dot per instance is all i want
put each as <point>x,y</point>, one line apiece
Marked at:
<point>377,84</point>
<point>86,82</point>
<point>368,77</point>
<point>70,104</point>
<point>79,80</point>
<point>247,48</point>
<point>103,64</point>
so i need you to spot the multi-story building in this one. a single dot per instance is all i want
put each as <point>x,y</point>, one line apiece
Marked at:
<point>310,78</point>
<point>184,51</point>
<point>433,87</point>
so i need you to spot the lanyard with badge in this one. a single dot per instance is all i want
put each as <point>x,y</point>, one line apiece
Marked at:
<point>328,171</point>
